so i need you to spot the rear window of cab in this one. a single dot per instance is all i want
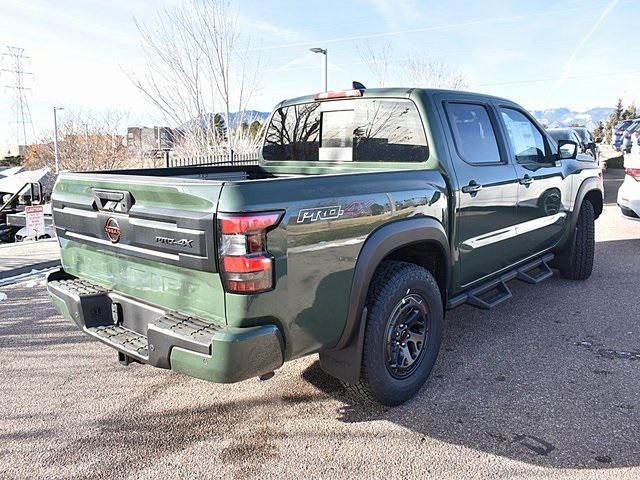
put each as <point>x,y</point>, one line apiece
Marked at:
<point>354,130</point>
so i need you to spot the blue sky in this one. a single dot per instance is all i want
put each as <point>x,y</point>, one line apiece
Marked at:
<point>549,53</point>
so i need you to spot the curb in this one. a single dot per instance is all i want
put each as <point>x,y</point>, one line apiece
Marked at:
<point>27,269</point>
<point>29,242</point>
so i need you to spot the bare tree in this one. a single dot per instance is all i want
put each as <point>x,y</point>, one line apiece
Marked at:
<point>378,61</point>
<point>198,63</point>
<point>432,73</point>
<point>418,70</point>
<point>85,142</point>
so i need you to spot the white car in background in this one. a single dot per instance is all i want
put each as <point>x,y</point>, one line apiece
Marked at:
<point>629,192</point>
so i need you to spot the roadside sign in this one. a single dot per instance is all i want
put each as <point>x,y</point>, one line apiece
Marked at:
<point>35,220</point>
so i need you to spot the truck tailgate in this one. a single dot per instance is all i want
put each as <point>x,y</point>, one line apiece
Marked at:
<point>147,237</point>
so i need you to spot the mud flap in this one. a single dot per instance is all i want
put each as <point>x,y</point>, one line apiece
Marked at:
<point>345,364</point>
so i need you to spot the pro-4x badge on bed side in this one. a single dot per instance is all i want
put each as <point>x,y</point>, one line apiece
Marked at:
<point>112,230</point>
<point>320,213</point>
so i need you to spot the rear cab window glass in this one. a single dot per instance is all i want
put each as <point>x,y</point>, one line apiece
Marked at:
<point>355,130</point>
<point>473,133</point>
<point>527,143</point>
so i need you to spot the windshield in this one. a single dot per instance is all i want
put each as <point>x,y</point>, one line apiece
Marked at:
<point>354,130</point>
<point>633,126</point>
<point>561,135</point>
<point>584,134</point>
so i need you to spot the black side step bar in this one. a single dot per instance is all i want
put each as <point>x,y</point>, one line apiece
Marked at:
<point>536,271</point>
<point>496,291</point>
<point>489,295</point>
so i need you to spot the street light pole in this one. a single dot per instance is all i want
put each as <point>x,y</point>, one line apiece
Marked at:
<point>55,137</point>
<point>323,51</point>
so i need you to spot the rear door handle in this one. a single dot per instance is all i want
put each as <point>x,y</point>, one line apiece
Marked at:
<point>471,188</point>
<point>526,181</point>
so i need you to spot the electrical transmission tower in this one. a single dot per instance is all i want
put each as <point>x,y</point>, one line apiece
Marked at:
<point>12,68</point>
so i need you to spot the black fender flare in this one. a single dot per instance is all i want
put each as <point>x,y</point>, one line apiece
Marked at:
<point>343,361</point>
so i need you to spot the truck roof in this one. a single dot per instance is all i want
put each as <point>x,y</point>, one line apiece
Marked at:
<point>392,92</point>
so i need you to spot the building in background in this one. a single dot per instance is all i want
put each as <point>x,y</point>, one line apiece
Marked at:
<point>149,144</point>
<point>12,154</point>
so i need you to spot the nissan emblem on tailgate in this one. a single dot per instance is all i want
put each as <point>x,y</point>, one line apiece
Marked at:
<point>112,229</point>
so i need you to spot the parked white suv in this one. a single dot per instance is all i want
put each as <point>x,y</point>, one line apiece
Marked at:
<point>629,192</point>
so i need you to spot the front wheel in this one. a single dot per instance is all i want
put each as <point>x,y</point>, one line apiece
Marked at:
<point>402,335</point>
<point>579,262</point>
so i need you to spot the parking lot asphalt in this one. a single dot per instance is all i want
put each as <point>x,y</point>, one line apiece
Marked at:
<point>544,386</point>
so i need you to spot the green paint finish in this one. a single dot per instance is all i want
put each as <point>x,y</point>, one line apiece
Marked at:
<point>315,260</point>
<point>195,195</point>
<point>168,286</point>
<point>237,354</point>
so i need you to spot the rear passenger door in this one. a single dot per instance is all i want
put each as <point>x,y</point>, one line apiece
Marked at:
<point>487,190</point>
<point>543,191</point>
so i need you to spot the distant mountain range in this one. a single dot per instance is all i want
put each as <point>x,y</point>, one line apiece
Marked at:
<point>564,117</point>
<point>552,117</point>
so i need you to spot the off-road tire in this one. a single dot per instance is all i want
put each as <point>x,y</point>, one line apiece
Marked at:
<point>392,282</point>
<point>579,264</point>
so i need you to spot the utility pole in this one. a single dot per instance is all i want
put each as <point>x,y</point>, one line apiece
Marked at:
<point>55,138</point>
<point>323,51</point>
<point>13,63</point>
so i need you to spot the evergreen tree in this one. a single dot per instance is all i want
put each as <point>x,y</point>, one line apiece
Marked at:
<point>599,131</point>
<point>255,128</point>
<point>614,118</point>
<point>629,113</point>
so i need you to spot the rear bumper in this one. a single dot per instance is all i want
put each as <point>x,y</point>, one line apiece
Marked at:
<point>629,198</point>
<point>167,339</point>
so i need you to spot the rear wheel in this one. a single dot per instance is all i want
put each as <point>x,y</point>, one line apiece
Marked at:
<point>578,263</point>
<point>402,335</point>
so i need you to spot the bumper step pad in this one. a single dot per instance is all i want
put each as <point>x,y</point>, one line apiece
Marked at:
<point>197,330</point>
<point>125,340</point>
<point>79,287</point>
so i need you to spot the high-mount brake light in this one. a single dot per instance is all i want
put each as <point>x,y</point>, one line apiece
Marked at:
<point>246,265</point>
<point>338,94</point>
<point>633,172</point>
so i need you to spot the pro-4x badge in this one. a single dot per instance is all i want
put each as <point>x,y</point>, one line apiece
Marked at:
<point>320,213</point>
<point>183,242</point>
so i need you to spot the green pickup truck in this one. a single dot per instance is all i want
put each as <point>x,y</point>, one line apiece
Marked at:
<point>372,211</point>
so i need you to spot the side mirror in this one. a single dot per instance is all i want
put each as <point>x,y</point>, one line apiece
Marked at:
<point>567,149</point>
<point>36,193</point>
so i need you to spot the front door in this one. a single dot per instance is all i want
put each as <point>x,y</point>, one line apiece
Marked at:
<point>543,190</point>
<point>487,191</point>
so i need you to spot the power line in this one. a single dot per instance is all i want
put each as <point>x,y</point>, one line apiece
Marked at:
<point>12,63</point>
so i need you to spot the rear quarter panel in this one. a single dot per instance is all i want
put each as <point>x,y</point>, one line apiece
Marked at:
<point>316,246</point>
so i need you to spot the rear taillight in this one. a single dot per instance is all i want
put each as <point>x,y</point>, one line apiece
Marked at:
<point>245,263</point>
<point>633,172</point>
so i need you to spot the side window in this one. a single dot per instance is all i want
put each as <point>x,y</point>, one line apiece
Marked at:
<point>527,143</point>
<point>473,132</point>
